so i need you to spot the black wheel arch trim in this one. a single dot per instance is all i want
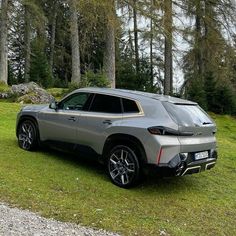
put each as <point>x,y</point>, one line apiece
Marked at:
<point>27,117</point>
<point>127,139</point>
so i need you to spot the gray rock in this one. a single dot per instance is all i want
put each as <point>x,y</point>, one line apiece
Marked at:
<point>31,93</point>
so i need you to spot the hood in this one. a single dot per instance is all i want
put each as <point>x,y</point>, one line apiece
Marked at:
<point>34,107</point>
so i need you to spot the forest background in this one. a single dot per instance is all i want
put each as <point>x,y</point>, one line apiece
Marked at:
<point>183,48</point>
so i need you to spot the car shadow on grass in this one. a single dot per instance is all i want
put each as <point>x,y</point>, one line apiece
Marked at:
<point>91,164</point>
<point>83,160</point>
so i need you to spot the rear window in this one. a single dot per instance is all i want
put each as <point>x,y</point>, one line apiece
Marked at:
<point>187,115</point>
<point>106,104</point>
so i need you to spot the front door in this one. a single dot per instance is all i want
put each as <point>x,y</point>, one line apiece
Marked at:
<point>61,124</point>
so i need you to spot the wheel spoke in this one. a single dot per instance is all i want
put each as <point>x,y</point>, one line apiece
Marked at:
<point>126,155</point>
<point>25,144</point>
<point>113,161</point>
<point>127,178</point>
<point>123,155</point>
<point>113,175</point>
<point>30,129</point>
<point>123,179</point>
<point>22,137</point>
<point>130,167</point>
<point>130,170</point>
<point>29,141</point>
<point>23,128</point>
<point>114,158</point>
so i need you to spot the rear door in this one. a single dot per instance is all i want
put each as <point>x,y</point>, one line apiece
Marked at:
<point>104,113</point>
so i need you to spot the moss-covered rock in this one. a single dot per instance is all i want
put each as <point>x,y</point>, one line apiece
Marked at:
<point>31,93</point>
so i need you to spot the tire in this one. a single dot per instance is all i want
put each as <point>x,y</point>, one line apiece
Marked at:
<point>27,135</point>
<point>123,166</point>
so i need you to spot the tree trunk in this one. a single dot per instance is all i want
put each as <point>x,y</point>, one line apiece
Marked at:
<point>109,60</point>
<point>74,43</point>
<point>131,44</point>
<point>151,46</point>
<point>136,48</point>
<point>3,43</point>
<point>27,48</point>
<point>198,41</point>
<point>53,36</point>
<point>168,80</point>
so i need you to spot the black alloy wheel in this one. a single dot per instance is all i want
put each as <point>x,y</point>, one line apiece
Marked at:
<point>27,135</point>
<point>123,166</point>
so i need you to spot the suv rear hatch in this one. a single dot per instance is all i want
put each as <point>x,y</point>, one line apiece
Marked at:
<point>196,128</point>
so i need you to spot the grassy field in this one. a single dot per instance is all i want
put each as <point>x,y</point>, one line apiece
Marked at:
<point>77,190</point>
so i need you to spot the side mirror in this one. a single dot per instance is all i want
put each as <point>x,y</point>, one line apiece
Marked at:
<point>53,105</point>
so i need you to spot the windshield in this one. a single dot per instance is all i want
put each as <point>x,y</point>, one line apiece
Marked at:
<point>187,115</point>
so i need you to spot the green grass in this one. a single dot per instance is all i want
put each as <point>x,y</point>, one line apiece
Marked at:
<point>4,88</point>
<point>73,189</point>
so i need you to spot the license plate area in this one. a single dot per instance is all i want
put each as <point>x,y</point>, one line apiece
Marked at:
<point>201,155</point>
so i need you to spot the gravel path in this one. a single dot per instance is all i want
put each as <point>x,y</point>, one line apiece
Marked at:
<point>14,222</point>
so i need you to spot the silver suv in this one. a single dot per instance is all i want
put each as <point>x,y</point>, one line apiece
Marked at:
<point>129,130</point>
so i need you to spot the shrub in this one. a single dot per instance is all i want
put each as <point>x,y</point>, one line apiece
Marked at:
<point>89,79</point>
<point>225,100</point>
<point>94,79</point>
<point>4,88</point>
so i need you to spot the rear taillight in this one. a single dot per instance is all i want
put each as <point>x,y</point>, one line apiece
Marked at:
<point>161,130</point>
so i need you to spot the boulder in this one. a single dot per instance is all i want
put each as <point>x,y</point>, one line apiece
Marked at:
<point>31,93</point>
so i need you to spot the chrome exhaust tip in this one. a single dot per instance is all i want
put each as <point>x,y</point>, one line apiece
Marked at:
<point>192,170</point>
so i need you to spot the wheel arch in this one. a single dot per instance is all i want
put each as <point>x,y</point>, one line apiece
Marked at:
<point>27,117</point>
<point>127,139</point>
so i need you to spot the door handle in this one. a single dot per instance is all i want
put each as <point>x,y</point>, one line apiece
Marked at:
<point>72,118</point>
<point>107,122</point>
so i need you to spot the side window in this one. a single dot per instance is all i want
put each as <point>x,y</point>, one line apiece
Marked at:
<point>75,102</point>
<point>106,103</point>
<point>130,106</point>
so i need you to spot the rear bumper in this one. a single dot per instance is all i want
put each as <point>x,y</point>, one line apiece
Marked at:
<point>186,164</point>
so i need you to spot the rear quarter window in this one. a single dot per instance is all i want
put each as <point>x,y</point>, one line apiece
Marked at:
<point>130,106</point>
